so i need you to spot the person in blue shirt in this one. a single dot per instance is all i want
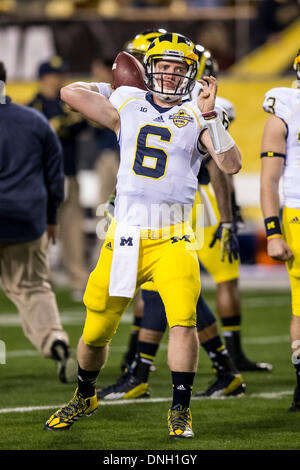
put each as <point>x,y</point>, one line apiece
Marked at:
<point>68,125</point>
<point>31,190</point>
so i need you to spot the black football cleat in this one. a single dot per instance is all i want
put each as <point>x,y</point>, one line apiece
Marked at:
<point>127,386</point>
<point>244,364</point>
<point>226,385</point>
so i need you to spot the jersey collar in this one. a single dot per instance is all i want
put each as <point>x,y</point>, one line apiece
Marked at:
<point>149,97</point>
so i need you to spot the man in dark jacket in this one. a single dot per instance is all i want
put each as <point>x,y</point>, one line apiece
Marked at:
<point>68,125</point>
<point>31,190</point>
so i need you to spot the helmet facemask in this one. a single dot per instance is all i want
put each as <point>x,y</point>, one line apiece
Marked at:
<point>155,80</point>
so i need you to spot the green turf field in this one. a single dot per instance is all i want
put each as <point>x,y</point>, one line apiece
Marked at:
<point>30,390</point>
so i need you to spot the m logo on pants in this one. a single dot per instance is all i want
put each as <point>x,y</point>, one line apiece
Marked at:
<point>126,241</point>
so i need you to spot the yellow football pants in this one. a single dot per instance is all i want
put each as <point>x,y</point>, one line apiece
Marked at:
<point>210,258</point>
<point>291,234</point>
<point>171,264</point>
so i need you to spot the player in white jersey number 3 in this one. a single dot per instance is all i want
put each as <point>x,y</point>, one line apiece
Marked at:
<point>160,140</point>
<point>281,157</point>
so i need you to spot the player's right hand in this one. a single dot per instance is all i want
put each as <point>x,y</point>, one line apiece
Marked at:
<point>110,208</point>
<point>207,97</point>
<point>278,249</point>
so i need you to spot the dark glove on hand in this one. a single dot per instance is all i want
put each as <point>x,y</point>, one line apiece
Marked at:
<point>229,244</point>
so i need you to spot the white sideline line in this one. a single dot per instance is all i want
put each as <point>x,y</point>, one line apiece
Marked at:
<point>77,316</point>
<point>68,317</point>
<point>270,396</point>
<point>163,347</point>
<point>267,340</point>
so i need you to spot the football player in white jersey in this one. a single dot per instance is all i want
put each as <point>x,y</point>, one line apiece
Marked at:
<point>224,272</point>
<point>160,141</point>
<point>149,315</point>
<point>138,336</point>
<point>280,152</point>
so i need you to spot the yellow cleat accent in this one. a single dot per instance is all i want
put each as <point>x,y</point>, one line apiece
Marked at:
<point>127,386</point>
<point>68,414</point>
<point>141,390</point>
<point>180,423</point>
<point>234,385</point>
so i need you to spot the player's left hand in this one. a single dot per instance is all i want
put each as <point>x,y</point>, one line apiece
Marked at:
<point>207,97</point>
<point>51,231</point>
<point>278,249</point>
<point>229,244</point>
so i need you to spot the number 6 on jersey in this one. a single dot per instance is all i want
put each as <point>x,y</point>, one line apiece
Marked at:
<point>151,161</point>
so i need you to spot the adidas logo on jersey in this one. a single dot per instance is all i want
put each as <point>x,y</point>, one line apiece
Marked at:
<point>295,220</point>
<point>108,246</point>
<point>159,119</point>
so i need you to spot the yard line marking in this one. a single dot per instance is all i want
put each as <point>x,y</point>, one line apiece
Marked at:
<point>23,353</point>
<point>76,316</point>
<point>267,339</point>
<point>266,395</point>
<point>276,301</point>
<point>68,317</point>
<point>163,347</point>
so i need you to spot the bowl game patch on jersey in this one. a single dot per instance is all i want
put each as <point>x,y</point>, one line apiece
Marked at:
<point>181,119</point>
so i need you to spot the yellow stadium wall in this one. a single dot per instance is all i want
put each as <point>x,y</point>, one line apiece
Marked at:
<point>247,129</point>
<point>21,92</point>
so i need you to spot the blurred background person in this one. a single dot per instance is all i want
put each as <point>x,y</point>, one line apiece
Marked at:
<point>31,190</point>
<point>68,125</point>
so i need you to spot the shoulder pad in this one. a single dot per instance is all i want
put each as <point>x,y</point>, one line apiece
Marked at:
<point>104,88</point>
<point>228,107</point>
<point>279,101</point>
<point>124,93</point>
<point>223,115</point>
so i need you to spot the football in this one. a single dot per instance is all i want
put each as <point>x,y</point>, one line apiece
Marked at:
<point>127,71</point>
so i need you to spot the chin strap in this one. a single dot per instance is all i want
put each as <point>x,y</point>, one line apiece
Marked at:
<point>167,98</point>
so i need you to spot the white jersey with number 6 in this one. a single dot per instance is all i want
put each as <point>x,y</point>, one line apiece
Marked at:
<point>159,159</point>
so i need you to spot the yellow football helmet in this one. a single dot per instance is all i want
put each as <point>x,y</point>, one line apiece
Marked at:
<point>140,43</point>
<point>171,47</point>
<point>297,64</point>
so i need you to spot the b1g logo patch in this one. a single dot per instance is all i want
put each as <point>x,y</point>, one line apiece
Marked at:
<point>181,119</point>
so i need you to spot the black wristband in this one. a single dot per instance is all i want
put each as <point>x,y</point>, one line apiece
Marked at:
<point>272,226</point>
<point>272,154</point>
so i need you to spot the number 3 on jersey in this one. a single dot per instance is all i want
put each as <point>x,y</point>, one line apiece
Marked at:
<point>151,161</point>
